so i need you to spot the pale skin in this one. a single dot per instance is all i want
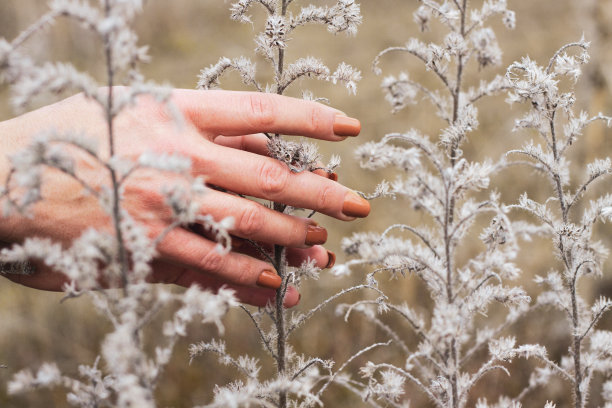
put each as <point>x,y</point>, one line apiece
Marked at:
<point>222,135</point>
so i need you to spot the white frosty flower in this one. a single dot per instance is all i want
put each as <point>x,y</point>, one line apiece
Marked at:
<point>209,77</point>
<point>606,214</point>
<point>345,16</point>
<point>347,75</point>
<point>298,156</point>
<point>486,47</point>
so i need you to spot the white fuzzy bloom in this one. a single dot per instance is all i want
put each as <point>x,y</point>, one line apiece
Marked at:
<point>400,91</point>
<point>276,32</point>
<point>80,10</point>
<point>240,8</point>
<point>347,75</point>
<point>345,16</point>
<point>486,47</point>
<point>209,77</point>
<point>374,156</point>
<point>298,156</point>
<point>454,134</point>
<point>48,375</point>
<point>53,78</point>
<point>21,382</point>
<point>422,16</point>
<point>606,214</point>
<point>493,7</point>
<point>569,66</point>
<point>309,67</point>
<point>341,270</point>
<point>390,387</point>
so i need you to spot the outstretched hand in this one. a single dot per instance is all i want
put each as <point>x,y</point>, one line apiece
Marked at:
<point>223,138</point>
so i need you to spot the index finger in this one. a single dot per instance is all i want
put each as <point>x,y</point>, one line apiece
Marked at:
<point>232,113</point>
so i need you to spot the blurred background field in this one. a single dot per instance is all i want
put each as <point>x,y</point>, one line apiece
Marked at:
<point>188,35</point>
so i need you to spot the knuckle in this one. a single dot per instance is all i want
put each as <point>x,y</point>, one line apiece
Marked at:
<point>261,109</point>
<point>145,199</point>
<point>151,197</point>
<point>325,198</point>
<point>273,177</point>
<point>251,220</point>
<point>212,261</point>
<point>316,120</point>
<point>244,276</point>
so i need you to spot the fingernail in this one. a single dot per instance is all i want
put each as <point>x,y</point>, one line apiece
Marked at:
<point>332,176</point>
<point>315,235</point>
<point>345,126</point>
<point>331,260</point>
<point>355,205</point>
<point>320,172</point>
<point>269,279</point>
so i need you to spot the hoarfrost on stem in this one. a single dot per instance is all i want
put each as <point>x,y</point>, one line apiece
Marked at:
<point>579,253</point>
<point>299,380</point>
<point>437,179</point>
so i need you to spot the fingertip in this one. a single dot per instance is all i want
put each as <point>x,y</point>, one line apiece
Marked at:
<point>292,297</point>
<point>297,256</point>
<point>269,279</point>
<point>346,126</point>
<point>355,206</point>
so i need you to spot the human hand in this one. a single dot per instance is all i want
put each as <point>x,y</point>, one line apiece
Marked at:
<point>222,137</point>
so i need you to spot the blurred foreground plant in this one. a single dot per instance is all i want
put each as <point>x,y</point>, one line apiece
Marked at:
<point>125,375</point>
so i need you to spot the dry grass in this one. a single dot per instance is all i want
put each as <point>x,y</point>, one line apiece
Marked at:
<point>188,35</point>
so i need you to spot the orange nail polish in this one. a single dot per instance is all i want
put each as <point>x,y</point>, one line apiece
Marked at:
<point>355,205</point>
<point>345,126</point>
<point>315,235</point>
<point>331,260</point>
<point>332,176</point>
<point>269,279</point>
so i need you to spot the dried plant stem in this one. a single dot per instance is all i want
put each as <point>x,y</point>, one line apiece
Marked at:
<point>450,210</point>
<point>577,338</point>
<point>123,260</point>
<point>279,253</point>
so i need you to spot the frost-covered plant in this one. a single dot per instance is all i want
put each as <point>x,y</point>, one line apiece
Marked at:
<point>563,216</point>
<point>124,375</point>
<point>299,380</point>
<point>441,182</point>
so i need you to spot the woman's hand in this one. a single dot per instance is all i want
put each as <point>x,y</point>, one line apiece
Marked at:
<point>223,138</point>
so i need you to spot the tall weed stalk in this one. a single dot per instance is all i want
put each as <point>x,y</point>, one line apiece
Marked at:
<point>439,181</point>
<point>299,380</point>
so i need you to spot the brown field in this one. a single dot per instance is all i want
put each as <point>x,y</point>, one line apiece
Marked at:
<point>188,35</point>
